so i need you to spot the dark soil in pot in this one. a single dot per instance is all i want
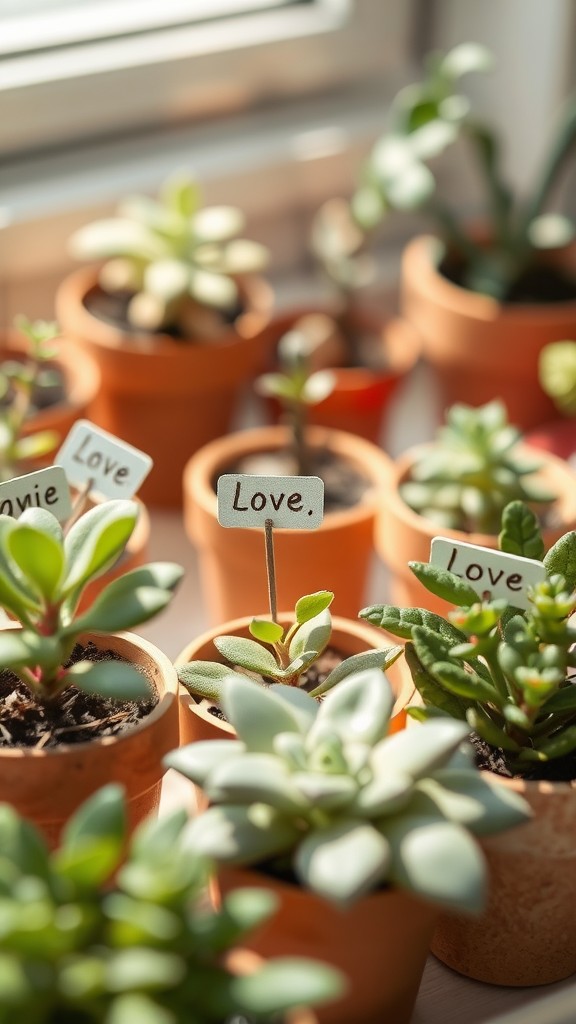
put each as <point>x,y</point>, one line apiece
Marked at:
<point>541,285</point>
<point>112,309</point>
<point>559,769</point>
<point>73,717</point>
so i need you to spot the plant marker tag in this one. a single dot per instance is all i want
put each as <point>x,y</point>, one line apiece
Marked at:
<point>491,573</point>
<point>110,467</point>
<point>46,488</point>
<point>290,502</point>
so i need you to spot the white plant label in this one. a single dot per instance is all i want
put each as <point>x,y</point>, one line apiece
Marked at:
<point>491,573</point>
<point>292,502</point>
<point>46,488</point>
<point>113,468</point>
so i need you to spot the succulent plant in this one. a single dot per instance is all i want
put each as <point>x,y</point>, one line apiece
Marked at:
<point>174,256</point>
<point>505,671</point>
<point>20,383</point>
<point>281,655</point>
<point>426,118</point>
<point>316,790</point>
<point>296,387</point>
<point>557,373</point>
<point>76,949</point>
<point>472,470</point>
<point>43,574</point>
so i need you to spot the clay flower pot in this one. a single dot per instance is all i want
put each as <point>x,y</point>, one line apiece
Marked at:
<point>166,397</point>
<point>46,786</point>
<point>335,557</point>
<point>361,396</point>
<point>380,943</point>
<point>482,349</point>
<point>527,934</point>
<point>349,637</point>
<point>403,535</point>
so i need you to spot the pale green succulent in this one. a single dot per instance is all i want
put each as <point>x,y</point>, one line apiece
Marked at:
<point>76,948</point>
<point>279,654</point>
<point>465,478</point>
<point>557,372</point>
<point>317,790</point>
<point>508,673</point>
<point>426,118</point>
<point>171,252</point>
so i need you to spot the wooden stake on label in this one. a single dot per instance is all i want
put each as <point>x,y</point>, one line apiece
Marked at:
<point>79,504</point>
<point>271,569</point>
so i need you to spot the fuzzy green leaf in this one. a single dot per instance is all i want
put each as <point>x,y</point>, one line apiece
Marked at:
<point>561,558</point>
<point>248,654</point>
<point>342,861</point>
<point>465,684</point>
<point>401,621</point>
<point>258,714</point>
<point>520,534</point>
<point>96,541</point>
<point>312,604</point>
<point>417,752</point>
<point>444,584</point>
<point>469,799</point>
<point>313,635</point>
<point>285,982</point>
<point>431,691</point>
<point>196,760</point>
<point>206,678</point>
<point>358,709</point>
<point>382,659</point>
<point>265,631</point>
<point>241,835</point>
<point>251,777</point>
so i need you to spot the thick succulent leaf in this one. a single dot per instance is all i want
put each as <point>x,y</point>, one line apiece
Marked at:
<point>466,797</point>
<point>214,290</point>
<point>561,558</point>
<point>343,861</point>
<point>96,541</point>
<point>282,983</point>
<point>19,647</point>
<point>385,794</point>
<point>250,778</point>
<point>218,223</point>
<point>22,844</point>
<point>462,683</point>
<point>118,236</point>
<point>318,386</point>
<point>114,679</point>
<point>464,58</point>
<point>311,605</point>
<point>157,837</point>
<point>359,708</point>
<point>313,635</point>
<point>35,446</point>
<point>136,1006</point>
<point>248,907</point>
<point>365,661</point>
<point>430,690</point>
<point>246,653</point>
<point>325,791</point>
<point>559,745</point>
<point>438,860</point>
<point>130,600</point>
<point>102,816</point>
<point>243,256</point>
<point>401,621</point>
<point>265,631</point>
<point>258,713</point>
<point>417,752</point>
<point>196,760</point>
<point>167,279</point>
<point>489,730</point>
<point>444,584</point>
<point>181,194</point>
<point>141,968</point>
<point>520,534</point>
<point>38,556</point>
<point>241,835</point>
<point>206,678</point>
<point>302,703</point>
<point>16,594</point>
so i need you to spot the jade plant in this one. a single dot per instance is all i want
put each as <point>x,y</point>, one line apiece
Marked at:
<point>507,672</point>
<point>557,373</point>
<point>43,574</point>
<point>316,790</point>
<point>425,119</point>
<point>173,257</point>
<point>296,387</point>
<point>78,949</point>
<point>22,384</point>
<point>279,654</point>
<point>472,470</point>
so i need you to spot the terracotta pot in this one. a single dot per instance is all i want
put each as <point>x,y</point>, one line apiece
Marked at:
<point>167,398</point>
<point>527,934</point>
<point>361,396</point>
<point>47,786</point>
<point>335,557</point>
<point>403,535</point>
<point>244,962</point>
<point>81,383</point>
<point>482,349</point>
<point>349,636</point>
<point>381,943</point>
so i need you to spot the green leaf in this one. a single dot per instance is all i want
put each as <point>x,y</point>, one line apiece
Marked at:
<point>324,791</point>
<point>22,844</point>
<point>250,778</point>
<point>214,290</point>
<point>417,752</point>
<point>130,600</point>
<point>358,709</point>
<point>142,968</point>
<point>489,731</point>
<point>101,816</point>
<point>431,691</point>
<point>266,631</point>
<point>241,835</point>
<point>25,647</point>
<point>444,584</point>
<point>382,659</point>
<point>118,236</point>
<point>113,678</point>
<point>35,446</point>
<point>258,714</point>
<point>520,534</point>
<point>561,558</point>
<point>462,683</point>
<point>466,797</point>
<point>218,223</point>
<point>38,556</point>
<point>401,621</point>
<point>313,635</point>
<point>196,760</point>
<point>206,678</point>
<point>282,983</point>
<point>342,861</point>
<point>16,595</point>
<point>239,650</point>
<point>465,58</point>
<point>311,605</point>
<point>96,541</point>
<point>562,743</point>
<point>135,1006</point>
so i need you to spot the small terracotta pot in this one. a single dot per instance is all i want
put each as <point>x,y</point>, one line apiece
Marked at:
<point>380,943</point>
<point>527,934</point>
<point>336,557</point>
<point>403,535</point>
<point>349,636</point>
<point>46,786</point>
<point>81,383</point>
<point>482,349</point>
<point>167,398</point>
<point>361,396</point>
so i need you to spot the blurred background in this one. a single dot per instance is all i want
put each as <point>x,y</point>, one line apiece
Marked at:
<point>270,104</point>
